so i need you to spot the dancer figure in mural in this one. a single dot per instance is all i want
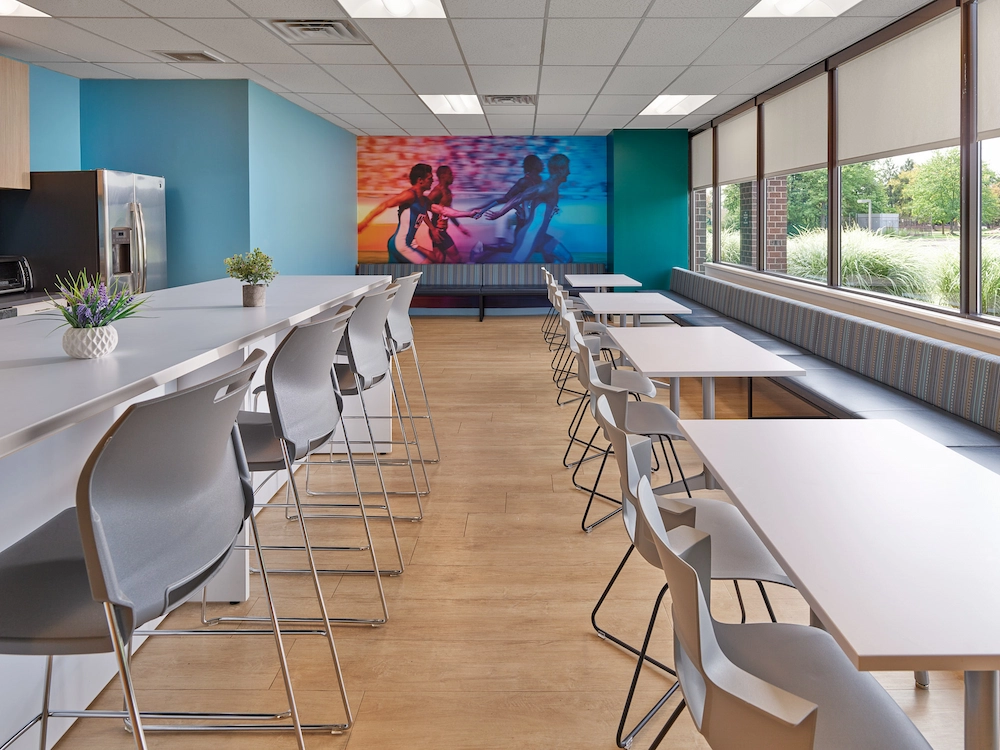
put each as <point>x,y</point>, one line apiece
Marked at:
<point>441,196</point>
<point>532,235</point>
<point>411,210</point>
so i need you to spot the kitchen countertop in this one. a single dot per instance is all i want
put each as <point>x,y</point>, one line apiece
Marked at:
<point>180,330</point>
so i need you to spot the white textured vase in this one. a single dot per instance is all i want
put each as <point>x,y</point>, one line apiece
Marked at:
<point>90,343</point>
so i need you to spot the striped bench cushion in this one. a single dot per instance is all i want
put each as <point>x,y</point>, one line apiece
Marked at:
<point>474,275</point>
<point>960,380</point>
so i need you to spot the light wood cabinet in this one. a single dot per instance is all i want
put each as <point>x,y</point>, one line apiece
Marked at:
<point>15,149</point>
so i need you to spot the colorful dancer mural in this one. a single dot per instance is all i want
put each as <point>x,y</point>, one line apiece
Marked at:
<point>498,199</point>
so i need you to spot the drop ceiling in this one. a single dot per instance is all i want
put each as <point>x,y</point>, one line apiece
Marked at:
<point>592,64</point>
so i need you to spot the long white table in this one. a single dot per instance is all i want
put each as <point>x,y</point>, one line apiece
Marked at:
<point>600,282</point>
<point>889,536</point>
<point>57,408</point>
<point>635,304</point>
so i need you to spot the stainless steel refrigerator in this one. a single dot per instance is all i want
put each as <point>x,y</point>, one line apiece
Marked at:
<point>109,223</point>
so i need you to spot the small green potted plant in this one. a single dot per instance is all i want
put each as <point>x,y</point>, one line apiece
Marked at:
<point>89,307</point>
<point>256,271</point>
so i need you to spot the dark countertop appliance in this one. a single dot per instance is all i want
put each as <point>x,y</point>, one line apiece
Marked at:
<point>15,275</point>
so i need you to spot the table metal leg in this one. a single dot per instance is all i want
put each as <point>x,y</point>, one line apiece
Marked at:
<point>708,412</point>
<point>675,396</point>
<point>982,711</point>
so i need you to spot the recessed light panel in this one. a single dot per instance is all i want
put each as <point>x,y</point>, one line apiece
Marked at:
<point>392,8</point>
<point>453,104</point>
<point>15,8</point>
<point>676,104</point>
<point>800,8</point>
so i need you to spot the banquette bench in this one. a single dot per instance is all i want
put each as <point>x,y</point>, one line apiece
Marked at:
<point>856,368</point>
<point>480,280</point>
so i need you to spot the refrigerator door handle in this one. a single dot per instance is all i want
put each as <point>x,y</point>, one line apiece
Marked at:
<point>139,242</point>
<point>142,247</point>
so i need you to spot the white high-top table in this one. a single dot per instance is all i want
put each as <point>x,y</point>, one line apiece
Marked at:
<point>57,408</point>
<point>635,304</point>
<point>889,536</point>
<point>705,352</point>
<point>600,282</point>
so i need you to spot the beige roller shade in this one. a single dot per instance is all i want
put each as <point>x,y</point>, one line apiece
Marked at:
<point>902,97</point>
<point>738,148</point>
<point>795,129</point>
<point>701,160</point>
<point>989,68</point>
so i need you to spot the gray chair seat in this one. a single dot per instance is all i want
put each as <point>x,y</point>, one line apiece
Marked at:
<point>345,379</point>
<point>47,604</point>
<point>651,418</point>
<point>854,711</point>
<point>262,447</point>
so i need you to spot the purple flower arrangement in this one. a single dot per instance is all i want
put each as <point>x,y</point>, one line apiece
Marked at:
<point>89,303</point>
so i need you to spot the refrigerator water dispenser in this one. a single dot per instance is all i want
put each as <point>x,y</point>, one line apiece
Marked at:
<point>121,250</point>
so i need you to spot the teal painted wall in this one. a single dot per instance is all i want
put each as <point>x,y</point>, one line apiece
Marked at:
<point>303,187</point>
<point>194,134</point>
<point>648,203</point>
<point>55,120</point>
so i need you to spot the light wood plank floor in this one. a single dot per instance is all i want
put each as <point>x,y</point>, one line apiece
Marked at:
<point>489,643</point>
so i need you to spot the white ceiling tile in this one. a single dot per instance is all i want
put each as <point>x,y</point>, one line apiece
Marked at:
<point>700,8</point>
<point>375,120</point>
<point>509,109</point>
<point>693,121</point>
<point>573,79</point>
<point>620,105</point>
<point>243,40</point>
<point>597,8</point>
<point>18,49</point>
<point>564,104</point>
<point>641,80</point>
<point>709,79</point>
<point>593,131</point>
<point>70,40</point>
<point>831,38</point>
<point>661,41</point>
<point>306,78</point>
<point>428,131</point>
<point>397,104</point>
<point>758,40</point>
<point>555,131</point>
<point>311,9</point>
<point>82,70</point>
<point>762,79</point>
<point>369,79</point>
<point>511,121</point>
<point>385,131</point>
<point>500,41</point>
<point>563,122</point>
<point>475,122</point>
<point>494,9</point>
<point>341,104</point>
<point>141,34</point>
<point>302,101</point>
<point>597,122</point>
<point>721,104</point>
<point>188,8</point>
<point>211,71</point>
<point>149,70</point>
<point>437,79</point>
<point>469,131</point>
<point>342,54</point>
<point>513,131</point>
<point>85,8</point>
<point>505,79</point>
<point>419,41</point>
<point>893,8</point>
<point>576,41</point>
<point>410,122</point>
<point>653,122</point>
<point>336,121</point>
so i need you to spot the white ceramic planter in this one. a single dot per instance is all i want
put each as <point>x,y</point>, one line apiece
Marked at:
<point>253,295</point>
<point>90,343</point>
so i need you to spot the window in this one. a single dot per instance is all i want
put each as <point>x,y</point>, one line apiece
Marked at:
<point>990,226</point>
<point>702,228</point>
<point>796,233</point>
<point>738,233</point>
<point>899,226</point>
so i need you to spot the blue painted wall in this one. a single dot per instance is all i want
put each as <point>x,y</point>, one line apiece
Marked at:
<point>194,134</point>
<point>303,187</point>
<point>55,120</point>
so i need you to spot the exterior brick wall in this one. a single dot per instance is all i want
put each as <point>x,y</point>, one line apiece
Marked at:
<point>701,219</point>
<point>748,224</point>
<point>776,228</point>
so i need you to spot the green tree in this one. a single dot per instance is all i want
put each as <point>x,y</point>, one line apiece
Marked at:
<point>935,188</point>
<point>895,179</point>
<point>807,201</point>
<point>731,207</point>
<point>861,181</point>
<point>991,197</point>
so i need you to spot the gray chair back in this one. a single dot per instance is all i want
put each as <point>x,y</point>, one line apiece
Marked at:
<point>400,327</point>
<point>366,346</point>
<point>733,709</point>
<point>163,496</point>
<point>305,404</point>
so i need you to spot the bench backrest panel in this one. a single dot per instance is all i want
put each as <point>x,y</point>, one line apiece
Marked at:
<point>960,380</point>
<point>478,274</point>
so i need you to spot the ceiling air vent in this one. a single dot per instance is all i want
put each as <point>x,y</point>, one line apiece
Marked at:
<point>316,31</point>
<point>190,57</point>
<point>508,99</point>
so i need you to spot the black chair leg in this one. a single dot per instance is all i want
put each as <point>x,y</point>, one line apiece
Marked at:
<point>594,493</point>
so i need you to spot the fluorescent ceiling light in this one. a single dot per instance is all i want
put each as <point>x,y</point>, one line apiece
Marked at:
<point>453,104</point>
<point>676,104</point>
<point>392,8</point>
<point>800,8</point>
<point>15,8</point>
